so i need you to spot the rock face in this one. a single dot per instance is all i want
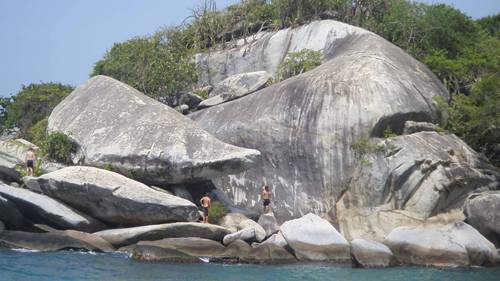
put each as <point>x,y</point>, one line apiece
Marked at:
<point>42,209</point>
<point>412,178</point>
<point>315,239</point>
<point>306,126</point>
<point>42,241</point>
<point>126,236</point>
<point>483,213</point>
<point>453,245</point>
<point>112,197</point>
<point>236,86</point>
<point>266,50</point>
<point>369,253</point>
<point>116,126</point>
<point>13,153</point>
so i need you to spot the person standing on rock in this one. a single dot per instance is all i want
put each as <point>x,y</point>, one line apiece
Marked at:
<point>205,202</point>
<point>266,198</point>
<point>30,161</point>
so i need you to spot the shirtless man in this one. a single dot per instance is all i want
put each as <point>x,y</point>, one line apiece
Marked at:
<point>266,198</point>
<point>30,161</point>
<point>205,202</point>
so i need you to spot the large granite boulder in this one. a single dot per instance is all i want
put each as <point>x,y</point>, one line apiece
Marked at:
<point>456,244</point>
<point>43,241</point>
<point>367,253</point>
<point>42,209</point>
<point>112,197</point>
<point>422,175</point>
<point>12,216</point>
<point>126,236</point>
<point>265,51</point>
<point>12,156</point>
<point>118,127</point>
<point>317,131</point>
<point>236,86</point>
<point>315,239</point>
<point>483,213</point>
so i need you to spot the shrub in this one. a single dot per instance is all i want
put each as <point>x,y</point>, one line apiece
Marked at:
<point>216,212</point>
<point>38,132</point>
<point>298,62</point>
<point>59,147</point>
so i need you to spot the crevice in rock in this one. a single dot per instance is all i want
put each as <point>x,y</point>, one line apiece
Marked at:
<point>396,122</point>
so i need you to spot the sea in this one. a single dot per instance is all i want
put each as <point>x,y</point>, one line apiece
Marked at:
<point>72,265</point>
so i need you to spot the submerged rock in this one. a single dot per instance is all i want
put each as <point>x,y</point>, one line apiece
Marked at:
<point>42,209</point>
<point>452,245</point>
<point>315,239</point>
<point>236,86</point>
<point>126,236</point>
<point>118,127</point>
<point>112,197</point>
<point>483,213</point>
<point>369,253</point>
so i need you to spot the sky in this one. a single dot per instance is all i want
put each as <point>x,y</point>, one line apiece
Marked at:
<point>60,40</point>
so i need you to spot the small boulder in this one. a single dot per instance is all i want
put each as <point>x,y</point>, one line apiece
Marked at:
<point>411,127</point>
<point>236,222</point>
<point>269,223</point>
<point>43,241</point>
<point>42,209</point>
<point>247,234</point>
<point>313,238</point>
<point>236,86</point>
<point>126,236</point>
<point>112,197</point>
<point>367,253</point>
<point>483,213</point>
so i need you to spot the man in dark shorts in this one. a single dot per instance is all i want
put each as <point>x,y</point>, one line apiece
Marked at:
<point>266,198</point>
<point>30,161</point>
<point>205,202</point>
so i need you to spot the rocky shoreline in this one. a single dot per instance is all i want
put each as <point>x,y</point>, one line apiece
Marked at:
<point>344,191</point>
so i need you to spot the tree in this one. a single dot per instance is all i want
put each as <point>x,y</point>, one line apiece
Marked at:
<point>32,104</point>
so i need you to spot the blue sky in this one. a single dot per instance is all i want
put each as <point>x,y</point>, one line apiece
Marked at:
<point>60,40</point>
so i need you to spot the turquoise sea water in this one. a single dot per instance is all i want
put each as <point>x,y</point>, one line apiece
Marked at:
<point>15,265</point>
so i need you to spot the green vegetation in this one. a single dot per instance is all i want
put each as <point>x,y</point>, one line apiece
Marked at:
<point>216,212</point>
<point>31,105</point>
<point>389,133</point>
<point>298,62</point>
<point>59,146</point>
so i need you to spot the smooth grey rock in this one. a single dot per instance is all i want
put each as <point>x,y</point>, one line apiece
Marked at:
<point>271,253</point>
<point>126,236</point>
<point>265,51</point>
<point>424,174</point>
<point>369,253</point>
<point>451,245</point>
<point>306,126</point>
<point>193,246</point>
<point>2,227</point>
<point>236,86</point>
<point>116,126</point>
<point>315,239</point>
<point>112,197</point>
<point>483,213</point>
<point>12,216</point>
<point>12,154</point>
<point>269,223</point>
<point>181,191</point>
<point>42,209</point>
<point>414,127</point>
<point>43,241</point>
<point>163,254</point>
<point>246,234</point>
<point>277,239</point>
<point>236,222</point>
<point>183,108</point>
<point>238,248</point>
